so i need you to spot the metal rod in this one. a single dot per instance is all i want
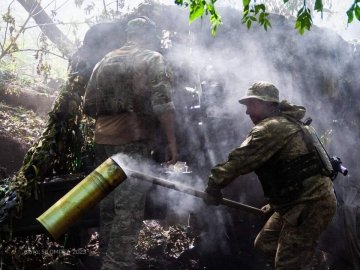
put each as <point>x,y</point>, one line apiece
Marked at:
<point>191,191</point>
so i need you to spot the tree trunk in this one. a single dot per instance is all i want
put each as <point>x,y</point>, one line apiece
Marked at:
<point>48,27</point>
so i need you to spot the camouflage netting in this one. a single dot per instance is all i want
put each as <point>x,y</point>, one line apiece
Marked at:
<point>64,147</point>
<point>59,148</point>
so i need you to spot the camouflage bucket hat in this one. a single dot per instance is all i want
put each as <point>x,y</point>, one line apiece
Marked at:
<point>264,91</point>
<point>141,25</point>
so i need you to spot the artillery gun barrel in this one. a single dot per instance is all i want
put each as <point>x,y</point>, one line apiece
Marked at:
<point>188,190</point>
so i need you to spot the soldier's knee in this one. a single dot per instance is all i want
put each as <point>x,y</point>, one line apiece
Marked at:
<point>258,243</point>
<point>266,244</point>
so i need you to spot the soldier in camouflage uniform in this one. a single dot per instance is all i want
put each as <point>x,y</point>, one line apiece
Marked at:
<point>292,173</point>
<point>129,96</point>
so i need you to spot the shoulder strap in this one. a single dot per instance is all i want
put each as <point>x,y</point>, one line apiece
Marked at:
<point>314,144</point>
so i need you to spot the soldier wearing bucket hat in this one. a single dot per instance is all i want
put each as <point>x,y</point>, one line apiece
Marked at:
<point>261,100</point>
<point>263,91</point>
<point>294,177</point>
<point>143,31</point>
<point>129,96</point>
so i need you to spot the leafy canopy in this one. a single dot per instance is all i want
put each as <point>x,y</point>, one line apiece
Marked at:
<point>253,12</point>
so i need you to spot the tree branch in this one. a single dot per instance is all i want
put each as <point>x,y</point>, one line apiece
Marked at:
<point>6,28</point>
<point>5,36</point>
<point>63,4</point>
<point>43,8</point>
<point>108,4</point>
<point>105,10</point>
<point>47,26</point>
<point>45,51</point>
<point>57,23</point>
<point>6,51</point>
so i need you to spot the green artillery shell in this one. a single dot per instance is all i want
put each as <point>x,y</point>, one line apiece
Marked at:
<point>91,190</point>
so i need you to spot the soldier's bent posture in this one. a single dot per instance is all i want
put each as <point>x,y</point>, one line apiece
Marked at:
<point>293,172</point>
<point>128,93</point>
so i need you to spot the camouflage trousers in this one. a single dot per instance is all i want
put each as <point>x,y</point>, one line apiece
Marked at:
<point>122,212</point>
<point>291,239</point>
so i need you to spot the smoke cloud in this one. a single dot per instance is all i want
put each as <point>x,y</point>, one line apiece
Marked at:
<point>317,70</point>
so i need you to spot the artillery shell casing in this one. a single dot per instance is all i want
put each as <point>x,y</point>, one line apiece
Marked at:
<point>91,190</point>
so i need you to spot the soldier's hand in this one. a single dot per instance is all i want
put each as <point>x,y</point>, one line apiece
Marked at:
<point>215,195</point>
<point>171,154</point>
<point>268,210</point>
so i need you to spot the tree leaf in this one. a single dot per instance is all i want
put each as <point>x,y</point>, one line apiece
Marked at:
<point>304,20</point>
<point>244,19</point>
<point>319,5</point>
<point>248,24</point>
<point>267,24</point>
<point>210,8</point>
<point>246,3</point>
<point>261,18</point>
<point>196,10</point>
<point>260,7</point>
<point>301,11</point>
<point>350,15</point>
<point>357,12</point>
<point>215,20</point>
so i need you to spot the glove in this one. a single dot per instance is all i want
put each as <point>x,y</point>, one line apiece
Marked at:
<point>215,195</point>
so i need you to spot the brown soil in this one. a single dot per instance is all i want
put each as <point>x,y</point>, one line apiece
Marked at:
<point>19,129</point>
<point>12,154</point>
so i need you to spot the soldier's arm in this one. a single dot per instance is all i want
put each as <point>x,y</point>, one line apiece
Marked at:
<point>167,121</point>
<point>257,148</point>
<point>89,105</point>
<point>163,106</point>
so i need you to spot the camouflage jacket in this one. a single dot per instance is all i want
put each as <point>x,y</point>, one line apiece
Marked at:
<point>129,79</point>
<point>128,88</point>
<point>268,150</point>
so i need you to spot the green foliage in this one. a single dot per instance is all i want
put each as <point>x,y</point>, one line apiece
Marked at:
<point>8,18</point>
<point>78,3</point>
<point>304,20</point>
<point>64,147</point>
<point>319,6</point>
<point>89,8</point>
<point>354,10</point>
<point>197,8</point>
<point>59,149</point>
<point>215,18</point>
<point>9,45</point>
<point>23,47</point>
<point>253,12</point>
<point>43,67</point>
